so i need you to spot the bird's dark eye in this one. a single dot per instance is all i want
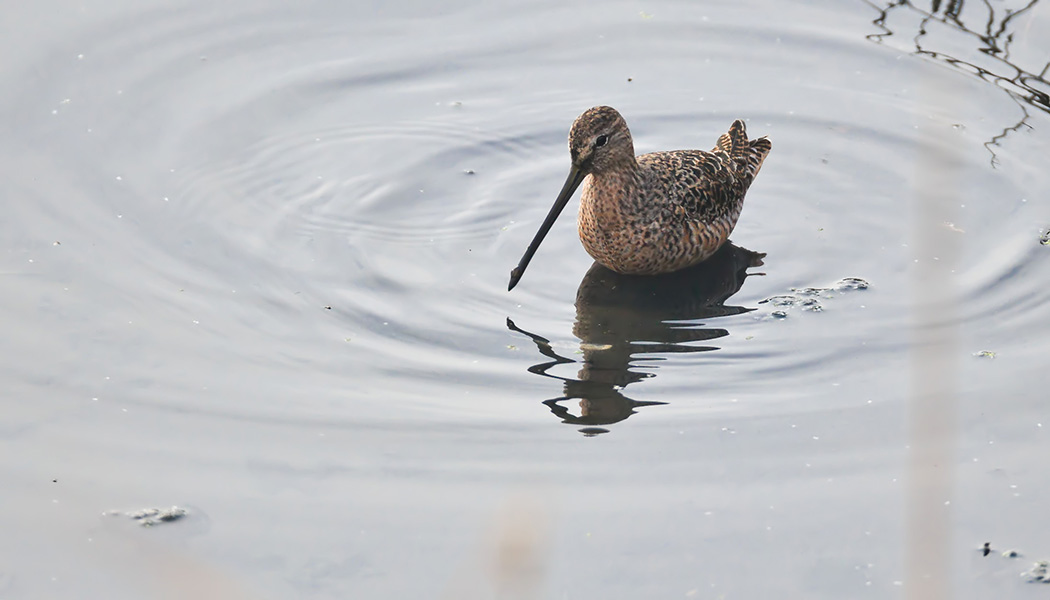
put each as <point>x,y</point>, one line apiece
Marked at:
<point>601,140</point>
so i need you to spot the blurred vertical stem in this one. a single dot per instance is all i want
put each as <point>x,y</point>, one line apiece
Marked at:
<point>934,369</point>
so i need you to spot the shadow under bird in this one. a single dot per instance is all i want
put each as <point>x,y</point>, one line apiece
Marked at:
<point>655,213</point>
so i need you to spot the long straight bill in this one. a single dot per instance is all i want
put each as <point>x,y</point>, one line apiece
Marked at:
<point>571,183</point>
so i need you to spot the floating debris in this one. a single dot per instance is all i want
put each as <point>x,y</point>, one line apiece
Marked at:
<point>811,304</point>
<point>1039,573</point>
<point>468,171</point>
<point>987,549</point>
<point>806,298</point>
<point>788,301</point>
<point>1045,238</point>
<point>811,291</point>
<point>984,354</point>
<point>851,283</point>
<point>148,517</point>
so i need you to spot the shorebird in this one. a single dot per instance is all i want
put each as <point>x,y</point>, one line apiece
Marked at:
<point>658,212</point>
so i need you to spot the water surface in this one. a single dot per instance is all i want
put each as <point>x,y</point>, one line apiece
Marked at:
<point>255,260</point>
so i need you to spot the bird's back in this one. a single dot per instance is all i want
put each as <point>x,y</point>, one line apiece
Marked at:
<point>706,186</point>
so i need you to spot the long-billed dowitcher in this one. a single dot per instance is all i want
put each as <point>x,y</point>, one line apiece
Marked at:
<point>658,212</point>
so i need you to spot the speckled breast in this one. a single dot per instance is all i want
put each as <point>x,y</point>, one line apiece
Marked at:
<point>659,239</point>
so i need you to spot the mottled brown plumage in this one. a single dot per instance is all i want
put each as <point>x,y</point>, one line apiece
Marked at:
<point>658,212</point>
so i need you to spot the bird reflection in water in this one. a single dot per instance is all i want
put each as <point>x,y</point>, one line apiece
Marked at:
<point>626,321</point>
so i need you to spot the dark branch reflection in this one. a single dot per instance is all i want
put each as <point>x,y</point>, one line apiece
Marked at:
<point>625,322</point>
<point>987,28</point>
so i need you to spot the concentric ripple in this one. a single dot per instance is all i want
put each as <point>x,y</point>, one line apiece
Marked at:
<point>337,203</point>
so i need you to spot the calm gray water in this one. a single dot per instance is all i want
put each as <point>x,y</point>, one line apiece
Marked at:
<point>255,258</point>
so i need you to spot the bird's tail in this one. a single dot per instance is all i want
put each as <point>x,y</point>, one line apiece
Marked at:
<point>748,155</point>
